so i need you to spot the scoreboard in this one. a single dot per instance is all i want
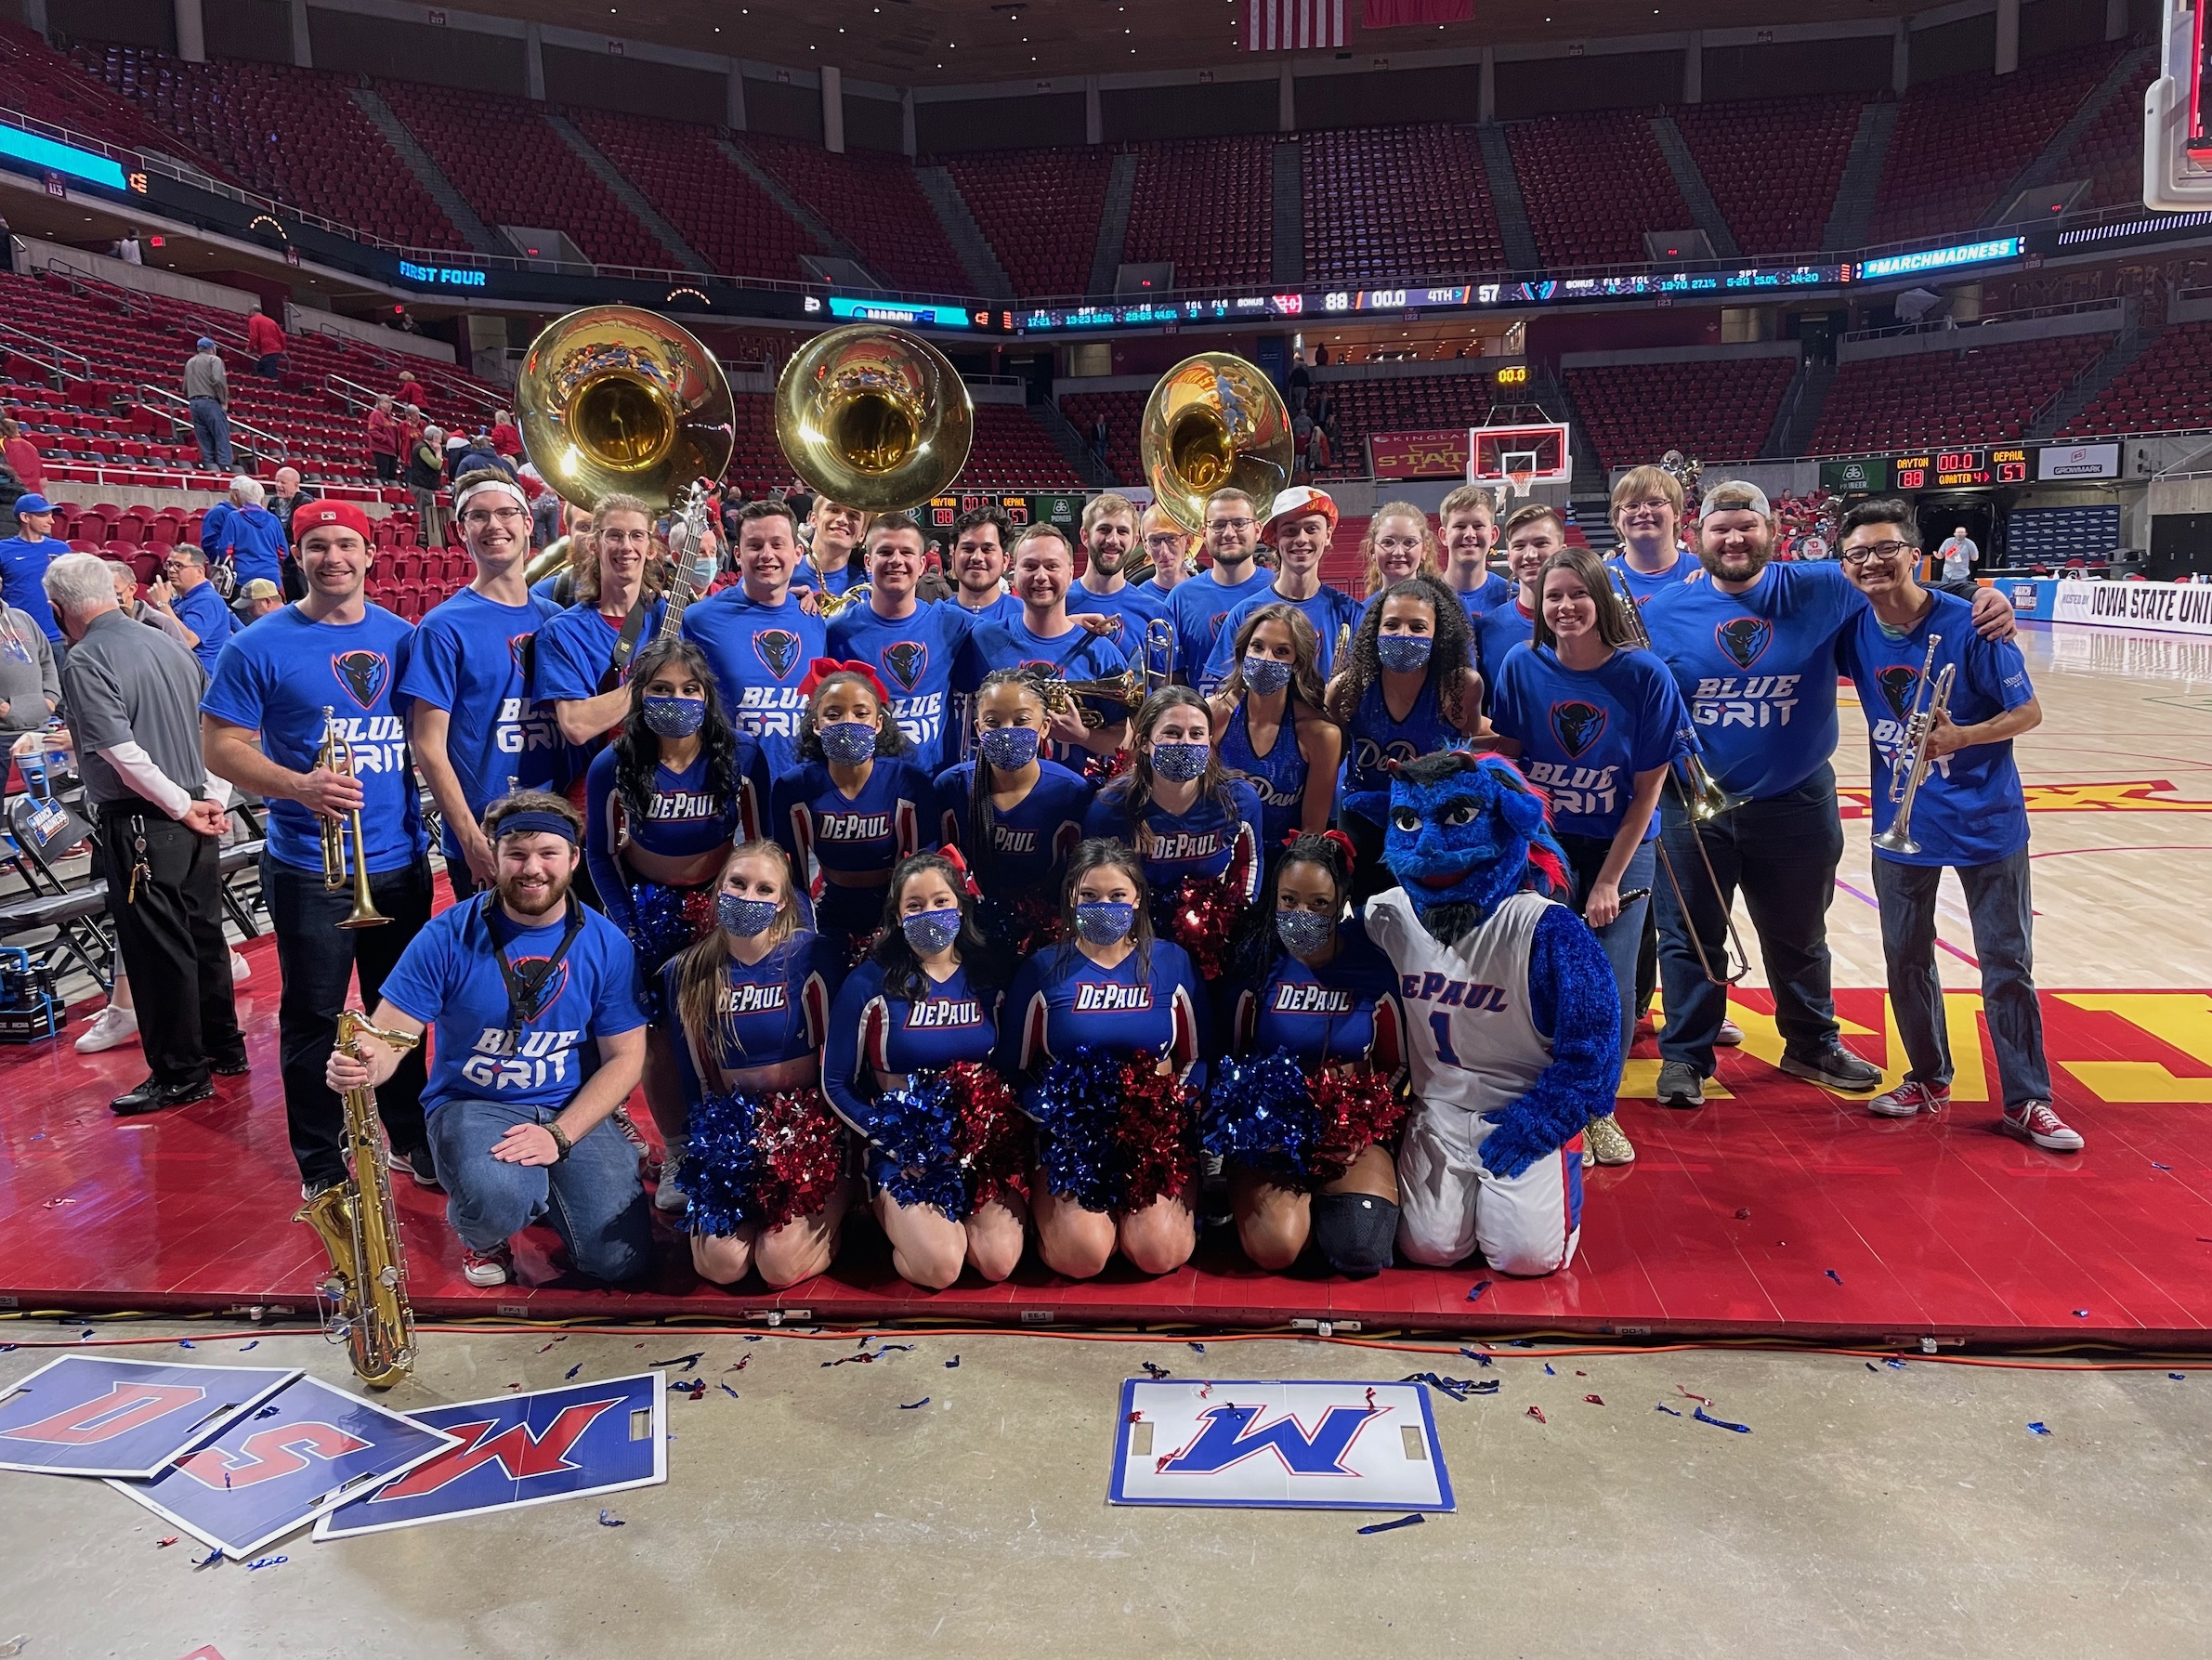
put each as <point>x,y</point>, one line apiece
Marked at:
<point>1064,510</point>
<point>1954,469</point>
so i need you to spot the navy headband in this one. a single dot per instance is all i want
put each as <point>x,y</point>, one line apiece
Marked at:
<point>537,823</point>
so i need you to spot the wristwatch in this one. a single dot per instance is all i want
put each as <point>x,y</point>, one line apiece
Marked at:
<point>559,1141</point>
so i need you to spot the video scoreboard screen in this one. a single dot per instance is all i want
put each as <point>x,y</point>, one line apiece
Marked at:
<point>1952,469</point>
<point>1066,511</point>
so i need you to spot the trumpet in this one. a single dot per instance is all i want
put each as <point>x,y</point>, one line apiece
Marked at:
<point>367,1284</point>
<point>1127,688</point>
<point>1910,769</point>
<point>335,754</point>
<point>1703,800</point>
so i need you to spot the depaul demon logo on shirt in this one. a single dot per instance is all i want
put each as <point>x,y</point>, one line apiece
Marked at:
<point>1576,725</point>
<point>1899,685</point>
<point>778,649</point>
<point>364,674</point>
<point>1744,640</point>
<point>904,661</point>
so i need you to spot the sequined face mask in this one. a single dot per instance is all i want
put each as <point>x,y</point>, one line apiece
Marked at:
<point>930,932</point>
<point>1180,762</point>
<point>1105,923</point>
<point>1265,675</point>
<point>1403,654</point>
<point>675,717</point>
<point>1304,932</point>
<point>1008,747</point>
<point>743,917</point>
<point>847,743</point>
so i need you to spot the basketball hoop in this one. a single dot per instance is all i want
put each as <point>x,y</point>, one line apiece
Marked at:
<point>1520,471</point>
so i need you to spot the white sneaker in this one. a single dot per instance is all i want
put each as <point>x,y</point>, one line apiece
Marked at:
<point>110,1028</point>
<point>667,1195</point>
<point>1730,1034</point>
<point>241,969</point>
<point>491,1267</point>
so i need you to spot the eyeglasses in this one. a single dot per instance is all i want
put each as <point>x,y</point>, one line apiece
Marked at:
<point>1163,539</point>
<point>1238,526</point>
<point>477,518</point>
<point>1884,551</point>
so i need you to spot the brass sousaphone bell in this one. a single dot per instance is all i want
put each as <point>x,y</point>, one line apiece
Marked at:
<point>615,398</point>
<point>1214,422</point>
<point>874,418</point>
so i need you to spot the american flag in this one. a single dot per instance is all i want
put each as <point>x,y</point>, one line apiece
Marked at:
<point>1294,25</point>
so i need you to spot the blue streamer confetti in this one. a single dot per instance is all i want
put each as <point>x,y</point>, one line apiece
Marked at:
<point>2156,1166</point>
<point>1670,1411</point>
<point>252,1346</point>
<point>683,1363</point>
<point>729,1391</point>
<point>1548,1371</point>
<point>954,1362</point>
<point>1197,1348</point>
<point>608,1519</point>
<point>1413,1521</point>
<point>1479,1357</point>
<point>2179,1377</point>
<point>913,1405</point>
<point>266,1562</point>
<point>1894,1364</point>
<point>1480,1286</point>
<point>186,1343</point>
<point>1834,1276</point>
<point>2081,1314</point>
<point>1157,1373</point>
<point>573,1371</point>
<point>211,1560</point>
<point>2038,1429</point>
<point>1703,1417</point>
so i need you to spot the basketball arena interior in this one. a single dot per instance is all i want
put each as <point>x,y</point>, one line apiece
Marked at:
<point>1819,1363</point>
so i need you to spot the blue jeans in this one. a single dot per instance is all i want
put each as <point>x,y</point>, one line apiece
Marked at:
<point>211,427</point>
<point>592,1197</point>
<point>1998,908</point>
<point>1622,937</point>
<point>1782,852</point>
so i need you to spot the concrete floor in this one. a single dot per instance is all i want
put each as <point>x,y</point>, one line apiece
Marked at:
<point>1869,1513</point>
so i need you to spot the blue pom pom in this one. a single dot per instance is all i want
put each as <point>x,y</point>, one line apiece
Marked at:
<point>1263,1114</point>
<point>1078,1101</point>
<point>722,1162</point>
<point>915,1129</point>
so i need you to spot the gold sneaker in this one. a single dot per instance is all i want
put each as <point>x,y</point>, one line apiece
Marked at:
<point>1607,1142</point>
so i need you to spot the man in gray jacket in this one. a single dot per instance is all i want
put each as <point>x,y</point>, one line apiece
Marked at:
<point>208,389</point>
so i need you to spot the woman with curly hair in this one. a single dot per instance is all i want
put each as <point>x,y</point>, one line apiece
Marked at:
<point>1105,1035</point>
<point>1400,543</point>
<point>1269,727</point>
<point>664,803</point>
<point>1303,1113</point>
<point>764,1165</point>
<point>1405,691</point>
<point>909,1065</point>
<point>856,804</point>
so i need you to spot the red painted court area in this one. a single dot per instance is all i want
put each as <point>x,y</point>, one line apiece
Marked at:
<point>1777,1211</point>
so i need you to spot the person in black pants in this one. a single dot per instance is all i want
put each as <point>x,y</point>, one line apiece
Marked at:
<point>134,697</point>
<point>326,668</point>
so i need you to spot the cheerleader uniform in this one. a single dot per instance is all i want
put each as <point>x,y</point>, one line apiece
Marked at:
<point>867,833</point>
<point>769,1012</point>
<point>1205,844</point>
<point>1020,873</point>
<point>873,1032</point>
<point>1277,778</point>
<point>1373,738</point>
<point>1345,1009</point>
<point>683,819</point>
<point>1064,1008</point>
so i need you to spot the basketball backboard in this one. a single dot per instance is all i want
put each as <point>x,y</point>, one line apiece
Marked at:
<point>1514,459</point>
<point>2178,118</point>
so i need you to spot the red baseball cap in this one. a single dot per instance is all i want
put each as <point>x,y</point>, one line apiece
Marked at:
<point>307,514</point>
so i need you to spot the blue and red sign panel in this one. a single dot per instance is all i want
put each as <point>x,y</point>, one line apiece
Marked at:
<point>86,1415</point>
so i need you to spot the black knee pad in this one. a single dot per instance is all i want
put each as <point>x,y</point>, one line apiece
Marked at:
<point>1355,1231</point>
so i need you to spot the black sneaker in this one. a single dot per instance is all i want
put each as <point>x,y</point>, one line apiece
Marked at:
<point>231,1066</point>
<point>419,1166</point>
<point>1679,1085</point>
<point>1835,1068</point>
<point>153,1097</point>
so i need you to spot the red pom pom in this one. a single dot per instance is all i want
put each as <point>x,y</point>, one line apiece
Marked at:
<point>802,1148</point>
<point>1357,1109</point>
<point>1201,918</point>
<point>989,1133</point>
<point>1156,1134</point>
<point>1033,923</point>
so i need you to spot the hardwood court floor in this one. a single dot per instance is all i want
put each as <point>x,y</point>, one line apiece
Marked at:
<point>1779,1209</point>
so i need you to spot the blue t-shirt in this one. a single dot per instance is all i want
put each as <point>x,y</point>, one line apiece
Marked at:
<point>1029,842</point>
<point>870,1031</point>
<point>1586,733</point>
<point>253,539</point>
<point>1005,610</point>
<point>1198,608</point>
<point>769,1012</point>
<point>574,651</point>
<point>23,578</point>
<point>204,613</point>
<point>1132,606</point>
<point>1971,809</point>
<point>1207,840</point>
<point>1077,655</point>
<point>448,979</point>
<point>922,659</point>
<point>1330,611</point>
<point>1757,669</point>
<point>1485,595</point>
<point>279,677</point>
<point>1644,586</point>
<point>806,577</point>
<point>1061,999</point>
<point>1346,1010</point>
<point>470,658</point>
<point>759,655</point>
<point>1497,632</point>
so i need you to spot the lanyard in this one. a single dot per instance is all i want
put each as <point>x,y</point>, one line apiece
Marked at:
<point>525,985</point>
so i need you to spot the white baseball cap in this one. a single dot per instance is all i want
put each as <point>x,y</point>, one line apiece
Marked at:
<point>1298,501</point>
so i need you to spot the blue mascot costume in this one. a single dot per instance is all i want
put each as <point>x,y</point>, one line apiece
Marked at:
<point>1513,1022</point>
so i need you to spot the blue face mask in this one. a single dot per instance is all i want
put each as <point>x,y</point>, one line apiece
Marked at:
<point>1266,676</point>
<point>675,717</point>
<point>847,742</point>
<point>1180,762</point>
<point>1105,924</point>
<point>1403,654</point>
<point>1008,747</point>
<point>1304,932</point>
<point>743,917</point>
<point>930,932</point>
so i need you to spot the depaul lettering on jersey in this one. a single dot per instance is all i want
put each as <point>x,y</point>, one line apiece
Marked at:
<point>1447,993</point>
<point>852,826</point>
<point>1111,997</point>
<point>751,998</point>
<point>1293,997</point>
<point>938,1014</point>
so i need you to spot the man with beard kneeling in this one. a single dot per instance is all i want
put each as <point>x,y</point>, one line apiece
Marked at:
<point>540,1038</point>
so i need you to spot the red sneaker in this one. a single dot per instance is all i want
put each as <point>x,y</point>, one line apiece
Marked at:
<point>493,1267</point>
<point>2033,1121</point>
<point>1910,1097</point>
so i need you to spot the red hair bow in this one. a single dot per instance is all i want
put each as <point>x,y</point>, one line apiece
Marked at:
<point>950,855</point>
<point>829,668</point>
<point>1343,843</point>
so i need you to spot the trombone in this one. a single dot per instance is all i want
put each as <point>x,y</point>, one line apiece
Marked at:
<point>1910,769</point>
<point>335,754</point>
<point>1159,648</point>
<point>1128,688</point>
<point>1703,800</point>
